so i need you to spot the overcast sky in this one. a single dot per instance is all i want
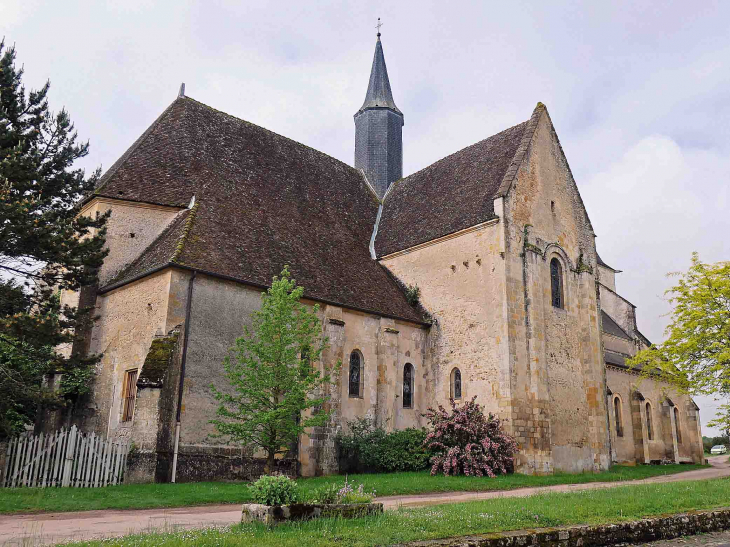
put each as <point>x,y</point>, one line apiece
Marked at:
<point>639,93</point>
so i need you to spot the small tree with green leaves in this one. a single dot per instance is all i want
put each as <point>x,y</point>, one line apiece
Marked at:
<point>695,357</point>
<point>273,373</point>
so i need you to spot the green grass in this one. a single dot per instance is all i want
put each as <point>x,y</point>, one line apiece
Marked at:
<point>144,496</point>
<point>547,510</point>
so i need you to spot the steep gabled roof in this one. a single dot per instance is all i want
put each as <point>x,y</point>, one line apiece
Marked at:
<point>452,194</point>
<point>262,201</point>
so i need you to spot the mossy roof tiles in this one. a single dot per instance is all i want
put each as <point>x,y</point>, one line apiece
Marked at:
<point>453,194</point>
<point>262,201</point>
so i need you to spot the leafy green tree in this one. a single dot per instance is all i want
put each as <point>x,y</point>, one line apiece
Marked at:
<point>45,246</point>
<point>695,358</point>
<point>277,391</point>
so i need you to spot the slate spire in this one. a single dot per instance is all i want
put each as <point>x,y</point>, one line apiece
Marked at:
<point>378,129</point>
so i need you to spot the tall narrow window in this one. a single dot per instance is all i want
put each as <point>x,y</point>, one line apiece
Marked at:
<point>355,374</point>
<point>129,394</point>
<point>408,386</point>
<point>617,414</point>
<point>556,283</point>
<point>649,432</point>
<point>456,384</point>
<point>676,425</point>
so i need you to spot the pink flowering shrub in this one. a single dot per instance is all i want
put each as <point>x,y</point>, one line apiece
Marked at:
<point>466,442</point>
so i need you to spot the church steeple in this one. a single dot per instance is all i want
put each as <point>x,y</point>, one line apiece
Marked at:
<point>378,129</point>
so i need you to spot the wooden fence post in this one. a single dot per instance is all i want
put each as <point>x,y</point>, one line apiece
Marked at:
<point>69,460</point>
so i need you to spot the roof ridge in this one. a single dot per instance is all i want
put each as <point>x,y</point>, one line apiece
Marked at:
<point>131,150</point>
<point>271,132</point>
<point>180,247</point>
<point>511,173</point>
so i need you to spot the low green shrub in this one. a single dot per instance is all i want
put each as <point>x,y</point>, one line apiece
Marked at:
<point>335,493</point>
<point>370,449</point>
<point>275,490</point>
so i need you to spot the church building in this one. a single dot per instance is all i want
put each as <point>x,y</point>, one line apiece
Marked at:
<point>515,306</point>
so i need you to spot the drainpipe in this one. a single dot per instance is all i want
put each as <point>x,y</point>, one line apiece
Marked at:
<point>188,305</point>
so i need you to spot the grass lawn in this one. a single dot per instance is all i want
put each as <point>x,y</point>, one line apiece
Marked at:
<point>142,496</point>
<point>502,514</point>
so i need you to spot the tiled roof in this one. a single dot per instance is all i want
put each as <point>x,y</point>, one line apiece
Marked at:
<point>450,195</point>
<point>262,201</point>
<point>611,327</point>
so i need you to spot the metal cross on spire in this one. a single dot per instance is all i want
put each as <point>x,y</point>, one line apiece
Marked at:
<point>378,26</point>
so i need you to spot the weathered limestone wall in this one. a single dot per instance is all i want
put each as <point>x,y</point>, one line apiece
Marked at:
<point>461,278</point>
<point>607,277</point>
<point>130,229</point>
<point>129,318</point>
<point>621,310</point>
<point>635,446</point>
<point>556,364</point>
<point>219,311</point>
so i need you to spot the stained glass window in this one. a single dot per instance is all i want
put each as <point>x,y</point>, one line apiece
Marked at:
<point>408,386</point>
<point>355,372</point>
<point>556,283</point>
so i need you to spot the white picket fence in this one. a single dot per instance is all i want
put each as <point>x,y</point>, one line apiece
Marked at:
<point>64,458</point>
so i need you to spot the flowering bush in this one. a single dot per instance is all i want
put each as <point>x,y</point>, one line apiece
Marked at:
<point>275,490</point>
<point>466,442</point>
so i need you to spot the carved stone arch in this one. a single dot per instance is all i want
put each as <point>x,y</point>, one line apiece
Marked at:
<point>556,250</point>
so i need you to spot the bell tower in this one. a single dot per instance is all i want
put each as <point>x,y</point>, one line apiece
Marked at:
<point>379,129</point>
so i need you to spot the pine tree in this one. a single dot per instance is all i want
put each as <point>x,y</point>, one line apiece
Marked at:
<point>273,374</point>
<point>44,244</point>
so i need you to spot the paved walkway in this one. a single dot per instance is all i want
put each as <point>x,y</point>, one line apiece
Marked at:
<point>51,528</point>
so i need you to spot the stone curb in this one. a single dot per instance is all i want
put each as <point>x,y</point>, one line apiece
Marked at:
<point>268,514</point>
<point>641,531</point>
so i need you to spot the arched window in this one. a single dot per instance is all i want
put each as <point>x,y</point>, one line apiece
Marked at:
<point>649,432</point>
<point>676,425</point>
<point>355,382</point>
<point>556,283</point>
<point>617,414</point>
<point>456,384</point>
<point>408,375</point>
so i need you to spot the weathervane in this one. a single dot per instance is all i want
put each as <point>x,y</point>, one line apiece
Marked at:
<point>378,26</point>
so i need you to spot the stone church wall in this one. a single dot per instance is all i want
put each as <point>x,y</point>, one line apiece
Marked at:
<point>130,229</point>
<point>129,318</point>
<point>556,364</point>
<point>219,311</point>
<point>634,446</point>
<point>461,278</point>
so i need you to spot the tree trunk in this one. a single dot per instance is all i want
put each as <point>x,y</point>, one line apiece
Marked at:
<point>270,463</point>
